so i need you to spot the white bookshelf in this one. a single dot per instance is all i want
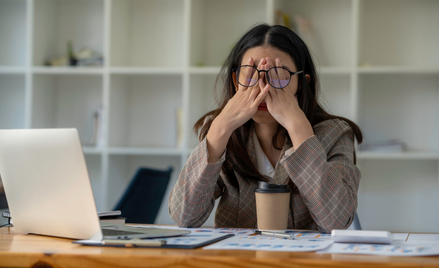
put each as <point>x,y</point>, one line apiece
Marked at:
<point>13,37</point>
<point>378,62</point>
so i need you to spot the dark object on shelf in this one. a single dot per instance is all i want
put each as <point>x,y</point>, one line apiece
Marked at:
<point>384,146</point>
<point>143,197</point>
<point>72,59</point>
<point>82,57</point>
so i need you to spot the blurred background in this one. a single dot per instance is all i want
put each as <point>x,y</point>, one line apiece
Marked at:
<point>133,76</point>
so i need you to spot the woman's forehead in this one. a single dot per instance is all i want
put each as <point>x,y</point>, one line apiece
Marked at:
<point>257,53</point>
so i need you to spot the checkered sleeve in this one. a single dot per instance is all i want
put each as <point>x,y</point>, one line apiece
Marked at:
<point>199,184</point>
<point>323,170</point>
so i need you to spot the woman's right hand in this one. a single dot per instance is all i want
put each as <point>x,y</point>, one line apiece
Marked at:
<point>238,110</point>
<point>244,104</point>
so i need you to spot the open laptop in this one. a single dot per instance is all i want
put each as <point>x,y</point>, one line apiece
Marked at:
<point>48,188</point>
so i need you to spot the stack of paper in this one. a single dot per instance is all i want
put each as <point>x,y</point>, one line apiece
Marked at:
<point>245,239</point>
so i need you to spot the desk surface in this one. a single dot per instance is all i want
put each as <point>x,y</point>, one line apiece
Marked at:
<point>17,250</point>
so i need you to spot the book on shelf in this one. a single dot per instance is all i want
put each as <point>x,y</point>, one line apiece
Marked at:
<point>304,28</point>
<point>395,146</point>
<point>97,134</point>
<point>82,57</point>
<point>282,18</point>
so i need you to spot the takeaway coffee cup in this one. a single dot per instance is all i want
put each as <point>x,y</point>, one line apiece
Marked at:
<point>272,203</point>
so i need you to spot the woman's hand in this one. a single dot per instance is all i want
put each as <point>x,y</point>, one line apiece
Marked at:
<point>283,105</point>
<point>244,104</point>
<point>238,110</point>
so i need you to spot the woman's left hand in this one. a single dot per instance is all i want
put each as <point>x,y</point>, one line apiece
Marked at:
<point>283,105</point>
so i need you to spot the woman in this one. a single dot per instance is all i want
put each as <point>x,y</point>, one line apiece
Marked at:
<point>270,127</point>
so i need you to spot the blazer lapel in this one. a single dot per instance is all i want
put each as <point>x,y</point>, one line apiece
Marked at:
<point>251,149</point>
<point>281,177</point>
<point>280,174</point>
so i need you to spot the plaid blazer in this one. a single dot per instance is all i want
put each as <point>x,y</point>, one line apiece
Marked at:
<point>321,173</point>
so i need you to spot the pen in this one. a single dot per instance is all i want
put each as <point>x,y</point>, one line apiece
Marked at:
<point>274,234</point>
<point>135,242</point>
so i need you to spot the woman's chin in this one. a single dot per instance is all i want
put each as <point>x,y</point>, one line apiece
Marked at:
<point>263,117</point>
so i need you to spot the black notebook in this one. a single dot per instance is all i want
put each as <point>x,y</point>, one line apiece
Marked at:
<point>189,241</point>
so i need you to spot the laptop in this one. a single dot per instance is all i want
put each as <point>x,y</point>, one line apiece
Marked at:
<point>48,189</point>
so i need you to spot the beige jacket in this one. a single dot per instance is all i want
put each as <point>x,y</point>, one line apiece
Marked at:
<point>324,178</point>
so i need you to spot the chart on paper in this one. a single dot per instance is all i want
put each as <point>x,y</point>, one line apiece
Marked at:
<point>257,242</point>
<point>396,249</point>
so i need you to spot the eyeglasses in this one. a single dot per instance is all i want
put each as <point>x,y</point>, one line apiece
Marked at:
<point>277,77</point>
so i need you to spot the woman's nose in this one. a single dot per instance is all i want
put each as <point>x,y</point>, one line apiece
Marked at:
<point>264,78</point>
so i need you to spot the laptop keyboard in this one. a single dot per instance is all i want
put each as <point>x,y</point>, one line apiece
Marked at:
<point>111,232</point>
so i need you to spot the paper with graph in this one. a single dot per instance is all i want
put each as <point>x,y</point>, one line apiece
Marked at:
<point>398,248</point>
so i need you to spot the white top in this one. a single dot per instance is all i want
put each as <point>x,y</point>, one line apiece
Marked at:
<point>264,165</point>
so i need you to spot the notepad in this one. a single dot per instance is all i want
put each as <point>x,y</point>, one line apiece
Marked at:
<point>189,241</point>
<point>362,236</point>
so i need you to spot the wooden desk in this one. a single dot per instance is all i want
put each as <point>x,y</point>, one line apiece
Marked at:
<point>18,250</point>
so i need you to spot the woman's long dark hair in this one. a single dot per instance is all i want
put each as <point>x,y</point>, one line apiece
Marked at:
<point>284,39</point>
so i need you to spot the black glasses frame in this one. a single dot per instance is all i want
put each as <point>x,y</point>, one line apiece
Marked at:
<point>266,73</point>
